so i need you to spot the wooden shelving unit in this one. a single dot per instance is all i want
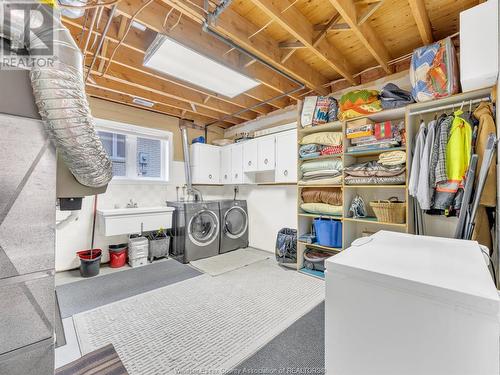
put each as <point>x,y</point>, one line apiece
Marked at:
<point>351,228</point>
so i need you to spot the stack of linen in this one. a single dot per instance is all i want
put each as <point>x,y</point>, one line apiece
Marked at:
<point>365,135</point>
<point>318,144</point>
<point>328,171</point>
<point>322,201</point>
<point>390,169</point>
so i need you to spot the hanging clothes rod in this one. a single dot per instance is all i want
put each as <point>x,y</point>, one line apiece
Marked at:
<point>448,106</point>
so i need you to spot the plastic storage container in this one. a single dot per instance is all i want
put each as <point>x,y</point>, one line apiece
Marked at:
<point>138,251</point>
<point>328,232</point>
<point>117,255</point>
<point>90,262</point>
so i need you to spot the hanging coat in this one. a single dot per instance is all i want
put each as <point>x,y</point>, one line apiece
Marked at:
<point>483,113</point>
<point>482,229</point>
<point>417,157</point>
<point>424,190</point>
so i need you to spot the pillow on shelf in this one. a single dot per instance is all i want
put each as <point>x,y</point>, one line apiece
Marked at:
<point>323,138</point>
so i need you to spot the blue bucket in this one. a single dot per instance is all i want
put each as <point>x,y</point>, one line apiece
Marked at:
<point>328,232</point>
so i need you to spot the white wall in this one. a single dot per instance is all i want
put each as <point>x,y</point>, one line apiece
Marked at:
<point>270,208</point>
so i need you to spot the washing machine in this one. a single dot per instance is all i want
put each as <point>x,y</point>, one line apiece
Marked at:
<point>195,230</point>
<point>234,225</point>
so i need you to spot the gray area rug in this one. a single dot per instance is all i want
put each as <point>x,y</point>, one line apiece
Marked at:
<point>231,261</point>
<point>204,324</point>
<point>300,349</point>
<point>90,293</point>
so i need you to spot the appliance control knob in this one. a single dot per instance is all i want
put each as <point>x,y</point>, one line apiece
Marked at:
<point>249,162</point>
<point>210,176</point>
<point>266,161</point>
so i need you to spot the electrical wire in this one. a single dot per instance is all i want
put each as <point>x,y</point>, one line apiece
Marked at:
<point>493,270</point>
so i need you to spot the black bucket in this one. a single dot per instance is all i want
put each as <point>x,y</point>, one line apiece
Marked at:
<point>90,262</point>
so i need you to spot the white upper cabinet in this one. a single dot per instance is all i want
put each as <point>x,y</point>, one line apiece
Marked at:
<point>266,153</point>
<point>250,155</point>
<point>225,165</point>
<point>237,175</point>
<point>286,157</point>
<point>205,164</point>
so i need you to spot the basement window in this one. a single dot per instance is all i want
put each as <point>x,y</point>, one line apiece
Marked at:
<point>139,154</point>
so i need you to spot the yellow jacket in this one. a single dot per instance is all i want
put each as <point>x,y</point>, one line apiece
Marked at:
<point>458,150</point>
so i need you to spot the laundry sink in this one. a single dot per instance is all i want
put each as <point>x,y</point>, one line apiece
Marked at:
<point>118,221</point>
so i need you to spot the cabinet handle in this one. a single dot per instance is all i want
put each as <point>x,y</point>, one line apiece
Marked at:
<point>210,176</point>
<point>265,161</point>
<point>249,162</point>
<point>225,177</point>
<point>285,172</point>
<point>236,175</point>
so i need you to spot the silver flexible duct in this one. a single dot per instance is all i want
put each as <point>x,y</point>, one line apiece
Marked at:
<point>59,92</point>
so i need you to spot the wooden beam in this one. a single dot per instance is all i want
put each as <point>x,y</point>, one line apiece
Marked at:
<point>369,11</point>
<point>129,60</point>
<point>422,19</point>
<point>122,98</point>
<point>244,33</point>
<point>364,32</point>
<point>293,21</point>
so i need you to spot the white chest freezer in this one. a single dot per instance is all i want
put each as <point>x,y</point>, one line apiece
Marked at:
<point>403,304</point>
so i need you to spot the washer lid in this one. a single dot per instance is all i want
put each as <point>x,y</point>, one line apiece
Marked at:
<point>203,228</point>
<point>235,222</point>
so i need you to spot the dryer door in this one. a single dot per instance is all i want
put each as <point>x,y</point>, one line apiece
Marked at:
<point>235,222</point>
<point>203,228</point>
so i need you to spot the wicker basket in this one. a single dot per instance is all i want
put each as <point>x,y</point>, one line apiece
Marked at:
<point>390,211</point>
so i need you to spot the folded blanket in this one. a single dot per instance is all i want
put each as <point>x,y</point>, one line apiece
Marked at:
<point>322,176</point>
<point>337,180</point>
<point>392,158</point>
<point>374,180</point>
<point>373,168</point>
<point>307,150</point>
<point>318,165</point>
<point>331,150</point>
<point>326,195</point>
<point>323,172</point>
<point>322,209</point>
<point>323,138</point>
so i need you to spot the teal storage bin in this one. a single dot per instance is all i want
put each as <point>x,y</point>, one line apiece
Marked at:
<point>328,232</point>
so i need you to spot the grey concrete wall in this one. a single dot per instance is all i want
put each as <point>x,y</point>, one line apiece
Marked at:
<point>27,241</point>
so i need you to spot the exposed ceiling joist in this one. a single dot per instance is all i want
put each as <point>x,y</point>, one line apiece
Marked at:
<point>190,33</point>
<point>369,11</point>
<point>364,32</point>
<point>422,20</point>
<point>245,34</point>
<point>291,45</point>
<point>290,18</point>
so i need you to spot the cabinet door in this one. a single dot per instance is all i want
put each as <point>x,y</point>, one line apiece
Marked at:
<point>225,165</point>
<point>250,161</point>
<point>286,157</point>
<point>237,164</point>
<point>266,153</point>
<point>212,162</point>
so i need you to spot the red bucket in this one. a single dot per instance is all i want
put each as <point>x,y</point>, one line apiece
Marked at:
<point>117,259</point>
<point>89,254</point>
<point>90,262</point>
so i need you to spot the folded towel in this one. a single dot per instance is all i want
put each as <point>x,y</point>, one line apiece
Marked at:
<point>337,180</point>
<point>392,158</point>
<point>318,165</point>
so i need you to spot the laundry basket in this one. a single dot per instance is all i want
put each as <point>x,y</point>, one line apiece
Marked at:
<point>286,246</point>
<point>390,210</point>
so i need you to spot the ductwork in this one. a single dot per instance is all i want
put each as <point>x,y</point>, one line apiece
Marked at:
<point>191,191</point>
<point>59,92</point>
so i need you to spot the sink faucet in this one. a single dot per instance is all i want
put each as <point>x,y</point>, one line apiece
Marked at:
<point>131,204</point>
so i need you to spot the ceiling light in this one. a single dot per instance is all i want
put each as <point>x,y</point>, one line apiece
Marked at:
<point>143,102</point>
<point>169,56</point>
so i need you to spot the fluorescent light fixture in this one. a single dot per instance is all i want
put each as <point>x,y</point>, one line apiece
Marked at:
<point>169,56</point>
<point>143,102</point>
